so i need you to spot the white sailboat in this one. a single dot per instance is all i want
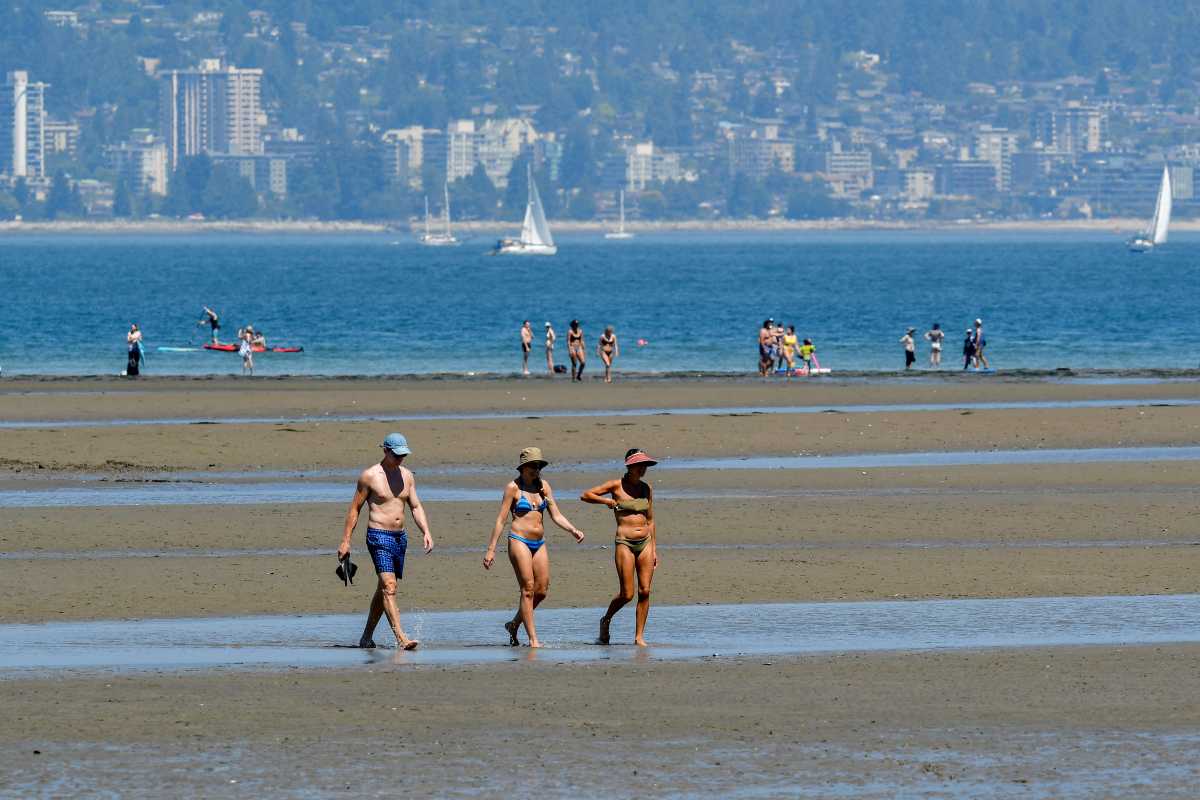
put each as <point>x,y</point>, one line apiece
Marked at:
<point>620,232</point>
<point>535,233</point>
<point>444,238</point>
<point>1156,234</point>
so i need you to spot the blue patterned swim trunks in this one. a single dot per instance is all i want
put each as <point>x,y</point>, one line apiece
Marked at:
<point>387,550</point>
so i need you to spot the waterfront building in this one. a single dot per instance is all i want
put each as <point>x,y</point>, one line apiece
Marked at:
<point>967,178</point>
<point>1079,128</point>
<point>462,149</point>
<point>756,150</point>
<point>61,137</point>
<point>213,109</point>
<point>647,164</point>
<point>22,126</point>
<point>997,146</point>
<point>266,173</point>
<point>141,162</point>
<point>848,169</point>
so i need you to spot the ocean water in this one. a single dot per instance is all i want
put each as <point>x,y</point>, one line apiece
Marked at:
<point>381,304</point>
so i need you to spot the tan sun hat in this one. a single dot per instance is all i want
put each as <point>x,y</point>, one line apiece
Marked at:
<point>531,455</point>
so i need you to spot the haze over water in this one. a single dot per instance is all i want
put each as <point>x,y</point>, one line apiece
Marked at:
<point>381,304</point>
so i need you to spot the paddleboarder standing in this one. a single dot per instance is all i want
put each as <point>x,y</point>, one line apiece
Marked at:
<point>211,319</point>
<point>387,487</point>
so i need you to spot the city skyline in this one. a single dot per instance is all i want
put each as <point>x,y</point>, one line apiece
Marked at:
<point>737,138</point>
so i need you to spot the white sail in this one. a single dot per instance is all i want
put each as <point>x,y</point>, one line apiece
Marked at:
<point>535,231</point>
<point>1162,209</point>
<point>446,190</point>
<point>426,217</point>
<point>535,237</point>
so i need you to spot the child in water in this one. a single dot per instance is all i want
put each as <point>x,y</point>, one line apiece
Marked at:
<point>806,355</point>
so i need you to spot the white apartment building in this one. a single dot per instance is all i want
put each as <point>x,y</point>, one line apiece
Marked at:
<point>141,163</point>
<point>501,141</point>
<point>404,154</point>
<point>22,126</point>
<point>646,164</point>
<point>462,149</point>
<point>494,145</point>
<point>214,109</point>
<point>918,184</point>
<point>849,169</point>
<point>997,146</point>
<point>1079,129</point>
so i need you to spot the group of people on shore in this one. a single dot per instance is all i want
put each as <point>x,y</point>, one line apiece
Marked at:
<point>389,491</point>
<point>248,340</point>
<point>779,348</point>
<point>607,348</point>
<point>973,346</point>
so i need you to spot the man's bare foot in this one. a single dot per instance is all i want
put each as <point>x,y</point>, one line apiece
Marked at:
<point>534,643</point>
<point>603,637</point>
<point>409,644</point>
<point>640,642</point>
<point>512,628</point>
<point>366,643</point>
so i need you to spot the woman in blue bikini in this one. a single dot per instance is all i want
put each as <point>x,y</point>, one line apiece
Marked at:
<point>528,499</point>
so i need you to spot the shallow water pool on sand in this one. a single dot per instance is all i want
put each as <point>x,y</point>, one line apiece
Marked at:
<point>675,632</point>
<point>703,411</point>
<point>240,488</point>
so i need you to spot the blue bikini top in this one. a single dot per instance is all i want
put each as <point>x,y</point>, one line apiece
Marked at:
<point>523,505</point>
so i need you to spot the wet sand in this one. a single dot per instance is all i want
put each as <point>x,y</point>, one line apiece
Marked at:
<point>440,443</point>
<point>977,531</point>
<point>1069,722</point>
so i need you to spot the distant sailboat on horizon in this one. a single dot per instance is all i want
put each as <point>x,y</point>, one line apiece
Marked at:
<point>620,232</point>
<point>1156,234</point>
<point>535,239</point>
<point>444,238</point>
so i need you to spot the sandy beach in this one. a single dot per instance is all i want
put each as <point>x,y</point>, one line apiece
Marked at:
<point>964,723</point>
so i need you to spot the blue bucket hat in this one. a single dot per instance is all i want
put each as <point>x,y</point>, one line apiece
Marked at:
<point>396,443</point>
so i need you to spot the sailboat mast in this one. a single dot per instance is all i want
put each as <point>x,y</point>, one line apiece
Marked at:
<point>446,191</point>
<point>621,227</point>
<point>426,216</point>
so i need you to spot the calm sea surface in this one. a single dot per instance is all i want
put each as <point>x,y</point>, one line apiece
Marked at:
<point>381,304</point>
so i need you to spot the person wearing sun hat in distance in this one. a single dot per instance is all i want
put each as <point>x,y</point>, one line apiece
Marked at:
<point>388,487</point>
<point>634,553</point>
<point>528,499</point>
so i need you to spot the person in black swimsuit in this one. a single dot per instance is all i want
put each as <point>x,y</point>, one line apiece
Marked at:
<point>576,350</point>
<point>211,319</point>
<point>608,349</point>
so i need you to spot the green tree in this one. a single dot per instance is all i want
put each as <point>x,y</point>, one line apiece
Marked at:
<point>59,201</point>
<point>475,195</point>
<point>581,205</point>
<point>516,193</point>
<point>122,200</point>
<point>228,195</point>
<point>578,161</point>
<point>811,200</point>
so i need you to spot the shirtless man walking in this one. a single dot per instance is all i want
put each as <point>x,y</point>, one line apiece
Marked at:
<point>388,487</point>
<point>526,346</point>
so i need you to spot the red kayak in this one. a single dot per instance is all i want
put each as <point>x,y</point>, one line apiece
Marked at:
<point>233,348</point>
